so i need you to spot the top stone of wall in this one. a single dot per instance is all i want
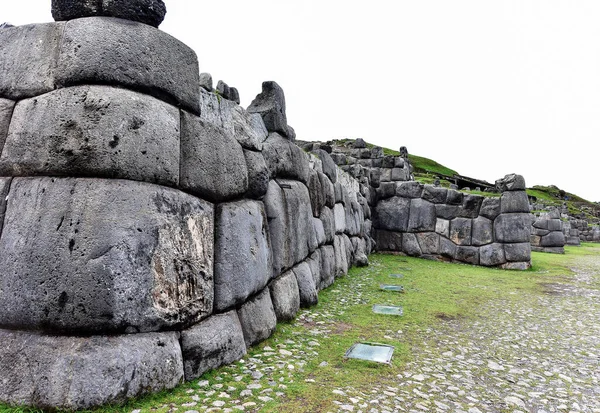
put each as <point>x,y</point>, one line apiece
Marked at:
<point>151,12</point>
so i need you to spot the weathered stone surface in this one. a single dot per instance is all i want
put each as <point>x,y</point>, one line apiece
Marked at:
<point>317,196</point>
<point>518,252</point>
<point>270,104</point>
<point>94,131</point>
<point>341,259</point>
<point>328,219</point>
<point>511,182</point>
<point>429,242</point>
<point>512,228</point>
<point>434,194</point>
<point>400,174</point>
<point>454,197</point>
<point>388,240</point>
<point>258,318</point>
<point>212,343</point>
<point>386,190</point>
<point>520,266</point>
<point>470,255</point>
<point>340,218</point>
<point>442,227</point>
<point>6,111</point>
<point>410,189</point>
<point>460,231</point>
<point>290,224</point>
<point>151,12</point>
<point>448,249</point>
<point>119,256</point>
<point>535,240</point>
<point>482,232</point>
<point>410,245</point>
<point>243,263</point>
<point>448,212</point>
<point>490,208</point>
<point>73,373</point>
<point>319,231</point>
<point>392,214</point>
<point>471,206</point>
<point>258,175</point>
<point>541,223</point>
<point>249,129</point>
<point>28,56</point>
<point>327,266</point>
<point>514,201</point>
<point>284,159</point>
<point>4,188</point>
<point>422,216</point>
<point>492,255</point>
<point>217,111</point>
<point>116,52</point>
<point>329,167</point>
<point>555,225</point>
<point>360,252</point>
<point>314,262</point>
<point>285,296</point>
<point>206,82</point>
<point>213,165</point>
<point>539,232</point>
<point>306,285</point>
<point>328,189</point>
<point>359,144</point>
<point>554,239</point>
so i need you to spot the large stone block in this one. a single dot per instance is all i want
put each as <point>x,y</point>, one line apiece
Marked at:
<point>212,343</point>
<point>327,217</point>
<point>4,189</point>
<point>150,12</point>
<point>249,129</point>
<point>258,174</point>
<point>392,214</point>
<point>213,165</point>
<point>72,373</point>
<point>388,240</point>
<point>429,242</point>
<point>217,111</point>
<point>94,131</point>
<point>270,104</point>
<point>314,262</point>
<point>258,318</point>
<point>328,189</point>
<point>110,256</point>
<point>327,266</point>
<point>6,111</point>
<point>555,225</point>
<point>470,255</point>
<point>514,201</point>
<point>492,255</point>
<point>317,196</point>
<point>243,263</point>
<point>460,231</point>
<point>341,259</point>
<point>422,216</point>
<point>454,197</point>
<point>512,228</point>
<point>123,53</point>
<point>410,245</point>
<point>306,284</point>
<point>410,189</point>
<point>442,227</point>
<point>284,159</point>
<point>512,182</point>
<point>434,194</point>
<point>285,296</point>
<point>28,56</point>
<point>471,206</point>
<point>447,212</point>
<point>330,169</point>
<point>482,232</point>
<point>319,231</point>
<point>490,208</point>
<point>448,249</point>
<point>554,239</point>
<point>293,235</point>
<point>518,252</point>
<point>339,214</point>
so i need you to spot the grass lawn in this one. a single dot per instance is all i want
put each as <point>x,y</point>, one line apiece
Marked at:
<point>434,292</point>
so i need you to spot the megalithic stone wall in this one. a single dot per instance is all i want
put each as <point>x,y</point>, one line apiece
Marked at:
<point>151,230</point>
<point>547,233</point>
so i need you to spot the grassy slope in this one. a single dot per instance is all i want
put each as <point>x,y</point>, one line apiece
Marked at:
<point>435,292</point>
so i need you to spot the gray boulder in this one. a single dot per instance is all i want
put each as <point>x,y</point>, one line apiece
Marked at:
<point>492,255</point>
<point>327,266</point>
<point>213,165</point>
<point>429,242</point>
<point>4,189</point>
<point>72,373</point>
<point>341,258</point>
<point>512,228</point>
<point>471,206</point>
<point>104,256</point>
<point>359,144</point>
<point>94,131</point>
<point>257,318</point>
<point>422,216</point>
<point>555,225</point>
<point>243,263</point>
<point>328,189</point>
<point>249,129</point>
<point>314,262</point>
<point>306,284</point>
<point>217,111</point>
<point>284,159</point>
<point>448,212</point>
<point>470,255</point>
<point>554,239</point>
<point>400,174</point>
<point>215,342</point>
<point>517,266</point>
<point>518,252</point>
<point>490,208</point>
<point>388,240</point>
<point>285,296</point>
<point>483,232</point>
<point>434,194</point>
<point>317,196</point>
<point>454,197</point>
<point>411,189</point>
<point>442,227</point>
<point>339,214</point>
<point>512,182</point>
<point>270,104</point>
<point>151,12</point>
<point>6,111</point>
<point>6,26</point>
<point>222,89</point>
<point>206,82</point>
<point>448,249</point>
<point>258,175</point>
<point>28,56</point>
<point>104,50</point>
<point>386,190</point>
<point>319,231</point>
<point>460,231</point>
<point>392,214</point>
<point>329,166</point>
<point>328,219</point>
<point>410,245</point>
<point>234,95</point>
<point>514,201</point>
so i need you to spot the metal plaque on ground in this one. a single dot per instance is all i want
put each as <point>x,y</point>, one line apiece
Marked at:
<point>388,310</point>
<point>378,353</point>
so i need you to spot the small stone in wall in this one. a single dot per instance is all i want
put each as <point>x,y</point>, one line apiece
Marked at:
<point>206,82</point>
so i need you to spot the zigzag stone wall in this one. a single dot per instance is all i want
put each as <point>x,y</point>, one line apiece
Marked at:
<point>151,230</point>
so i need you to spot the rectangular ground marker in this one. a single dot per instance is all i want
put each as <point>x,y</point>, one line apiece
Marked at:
<point>395,288</point>
<point>379,353</point>
<point>388,310</point>
<point>397,275</point>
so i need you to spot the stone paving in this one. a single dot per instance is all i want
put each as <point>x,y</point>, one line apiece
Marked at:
<point>539,354</point>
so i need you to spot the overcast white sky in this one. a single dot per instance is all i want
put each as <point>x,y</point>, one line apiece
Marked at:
<point>486,87</point>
